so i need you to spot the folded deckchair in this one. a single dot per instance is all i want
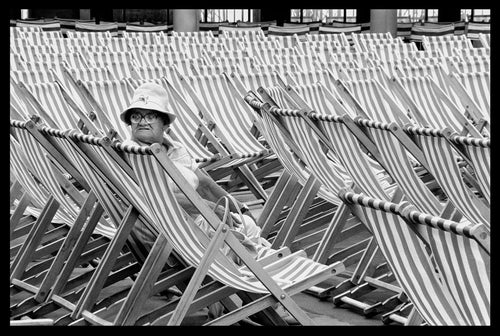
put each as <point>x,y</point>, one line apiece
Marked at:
<point>428,255</point>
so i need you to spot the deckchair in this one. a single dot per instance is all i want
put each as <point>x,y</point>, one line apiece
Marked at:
<point>31,52</point>
<point>350,160</point>
<point>127,309</point>
<point>84,298</point>
<point>57,107</point>
<point>371,100</point>
<point>273,280</point>
<point>147,37</point>
<point>39,279</point>
<point>61,45</point>
<point>485,40</point>
<point>446,47</point>
<point>213,97</point>
<point>117,62</point>
<point>285,41</point>
<point>477,151</point>
<point>195,50</point>
<point>344,32</point>
<point>309,234</point>
<point>423,276</point>
<point>441,159</point>
<point>32,203</point>
<point>429,99</point>
<point>17,62</point>
<point>477,85</point>
<point>108,99</point>
<point>32,77</point>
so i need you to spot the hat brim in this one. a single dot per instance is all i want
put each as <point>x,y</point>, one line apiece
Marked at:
<point>148,106</point>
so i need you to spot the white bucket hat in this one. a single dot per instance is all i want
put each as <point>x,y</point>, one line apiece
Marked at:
<point>149,96</point>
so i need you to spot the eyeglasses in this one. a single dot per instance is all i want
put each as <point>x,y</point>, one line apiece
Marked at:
<point>150,118</point>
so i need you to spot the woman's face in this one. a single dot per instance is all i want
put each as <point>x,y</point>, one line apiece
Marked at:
<point>144,131</point>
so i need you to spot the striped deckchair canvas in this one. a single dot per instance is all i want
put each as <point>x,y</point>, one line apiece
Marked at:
<point>86,29</point>
<point>63,45</point>
<point>345,31</point>
<point>441,159</point>
<point>419,31</point>
<point>39,25</point>
<point>106,180</point>
<point>475,29</point>
<point>478,152</point>
<point>430,99</point>
<point>477,85</point>
<point>300,31</point>
<point>430,288</point>
<point>485,40</point>
<point>109,99</point>
<point>193,247</point>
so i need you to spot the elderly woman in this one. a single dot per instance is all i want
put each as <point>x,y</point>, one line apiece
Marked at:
<point>149,118</point>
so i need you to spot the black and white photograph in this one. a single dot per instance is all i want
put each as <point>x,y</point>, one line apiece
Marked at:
<point>265,167</point>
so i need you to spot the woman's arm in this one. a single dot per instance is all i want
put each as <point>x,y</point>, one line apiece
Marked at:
<point>211,191</point>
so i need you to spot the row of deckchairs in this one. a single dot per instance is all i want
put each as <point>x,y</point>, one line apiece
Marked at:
<point>291,272</point>
<point>296,123</point>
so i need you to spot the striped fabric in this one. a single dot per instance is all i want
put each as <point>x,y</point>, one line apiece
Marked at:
<point>346,31</point>
<point>329,169</point>
<point>281,68</point>
<point>50,97</point>
<point>474,29</point>
<point>39,25</point>
<point>447,47</point>
<point>376,101</point>
<point>250,33</point>
<point>441,159</point>
<point>436,111</point>
<point>485,40</point>
<point>287,31</point>
<point>418,31</point>
<point>477,84</point>
<point>44,170</point>
<point>32,77</point>
<point>479,152</point>
<point>215,93</point>
<point>471,64</point>
<point>66,44</point>
<point>38,194</point>
<point>189,241</point>
<point>112,98</point>
<point>403,29</point>
<point>414,269</point>
<point>138,28</point>
<point>188,122</point>
<point>106,28</point>
<point>117,62</point>
<point>292,159</point>
<point>465,266</point>
<point>398,163</point>
<point>212,27</point>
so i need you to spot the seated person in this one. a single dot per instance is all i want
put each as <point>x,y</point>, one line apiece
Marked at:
<point>149,119</point>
